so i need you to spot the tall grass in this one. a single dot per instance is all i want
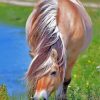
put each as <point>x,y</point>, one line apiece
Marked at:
<point>3,93</point>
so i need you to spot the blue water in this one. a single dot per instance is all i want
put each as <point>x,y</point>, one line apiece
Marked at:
<point>14,58</point>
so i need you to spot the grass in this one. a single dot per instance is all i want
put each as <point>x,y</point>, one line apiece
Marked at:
<point>3,93</point>
<point>85,83</point>
<point>14,15</point>
<point>95,1</point>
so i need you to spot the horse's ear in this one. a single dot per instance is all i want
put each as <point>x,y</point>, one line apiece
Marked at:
<point>54,55</point>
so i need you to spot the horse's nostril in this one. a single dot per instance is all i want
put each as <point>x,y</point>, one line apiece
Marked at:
<point>44,99</point>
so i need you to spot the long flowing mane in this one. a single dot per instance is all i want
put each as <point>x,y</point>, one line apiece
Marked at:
<point>43,36</point>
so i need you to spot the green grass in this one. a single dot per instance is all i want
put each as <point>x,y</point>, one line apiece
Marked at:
<point>14,15</point>
<point>85,83</point>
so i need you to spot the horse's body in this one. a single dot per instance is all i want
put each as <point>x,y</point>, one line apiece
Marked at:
<point>62,25</point>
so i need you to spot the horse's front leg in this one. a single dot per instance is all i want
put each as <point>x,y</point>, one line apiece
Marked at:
<point>67,79</point>
<point>62,89</point>
<point>61,93</point>
<point>65,87</point>
<point>70,64</point>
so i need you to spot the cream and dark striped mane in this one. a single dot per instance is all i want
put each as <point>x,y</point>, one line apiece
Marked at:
<point>44,36</point>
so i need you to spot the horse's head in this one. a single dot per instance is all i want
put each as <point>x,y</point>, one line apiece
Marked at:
<point>50,81</point>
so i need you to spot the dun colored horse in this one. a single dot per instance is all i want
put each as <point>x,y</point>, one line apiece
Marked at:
<point>57,32</point>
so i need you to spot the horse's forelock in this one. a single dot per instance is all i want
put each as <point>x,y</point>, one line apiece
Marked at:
<point>36,73</point>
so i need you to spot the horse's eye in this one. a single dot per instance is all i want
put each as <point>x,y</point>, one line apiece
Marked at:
<point>53,73</point>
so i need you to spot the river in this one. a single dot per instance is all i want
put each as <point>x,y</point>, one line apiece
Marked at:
<point>14,58</point>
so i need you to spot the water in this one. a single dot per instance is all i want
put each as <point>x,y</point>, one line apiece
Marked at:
<point>14,58</point>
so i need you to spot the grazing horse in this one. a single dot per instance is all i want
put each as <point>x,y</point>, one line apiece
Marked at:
<point>57,32</point>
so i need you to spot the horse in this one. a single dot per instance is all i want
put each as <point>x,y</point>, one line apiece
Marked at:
<point>57,32</point>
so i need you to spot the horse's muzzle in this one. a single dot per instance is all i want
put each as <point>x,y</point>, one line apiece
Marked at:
<point>41,95</point>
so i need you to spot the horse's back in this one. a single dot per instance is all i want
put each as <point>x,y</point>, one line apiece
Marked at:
<point>75,27</point>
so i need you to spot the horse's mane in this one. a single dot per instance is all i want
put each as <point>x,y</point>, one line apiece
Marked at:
<point>45,36</point>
